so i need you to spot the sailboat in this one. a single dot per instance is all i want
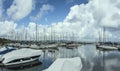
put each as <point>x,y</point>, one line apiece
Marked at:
<point>102,45</point>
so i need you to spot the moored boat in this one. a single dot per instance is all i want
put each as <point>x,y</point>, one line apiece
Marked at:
<point>6,49</point>
<point>106,47</point>
<point>21,57</point>
<point>66,64</point>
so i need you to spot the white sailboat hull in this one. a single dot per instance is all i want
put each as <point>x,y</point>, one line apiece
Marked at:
<point>104,47</point>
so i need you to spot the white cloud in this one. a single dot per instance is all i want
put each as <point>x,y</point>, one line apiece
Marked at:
<point>111,13</point>
<point>20,9</point>
<point>87,19</point>
<point>45,9</point>
<point>7,28</point>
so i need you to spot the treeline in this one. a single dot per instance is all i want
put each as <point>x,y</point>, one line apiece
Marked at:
<point>4,41</point>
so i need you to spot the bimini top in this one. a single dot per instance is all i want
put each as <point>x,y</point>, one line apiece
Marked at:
<point>20,53</point>
<point>66,64</point>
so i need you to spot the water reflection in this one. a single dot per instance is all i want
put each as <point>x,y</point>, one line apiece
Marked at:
<point>92,59</point>
<point>95,60</point>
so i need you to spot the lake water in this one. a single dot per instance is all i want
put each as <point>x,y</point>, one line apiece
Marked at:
<point>92,59</point>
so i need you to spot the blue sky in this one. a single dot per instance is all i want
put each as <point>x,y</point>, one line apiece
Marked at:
<point>60,11</point>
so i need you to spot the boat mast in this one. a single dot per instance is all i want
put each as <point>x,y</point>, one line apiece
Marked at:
<point>36,33</point>
<point>26,34</point>
<point>44,33</point>
<point>51,34</point>
<point>99,41</point>
<point>104,36</point>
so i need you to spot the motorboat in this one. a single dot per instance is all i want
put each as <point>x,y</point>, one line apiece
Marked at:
<point>6,49</point>
<point>21,57</point>
<point>66,64</point>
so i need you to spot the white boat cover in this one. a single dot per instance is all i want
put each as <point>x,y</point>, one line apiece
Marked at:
<point>21,53</point>
<point>66,64</point>
<point>5,48</point>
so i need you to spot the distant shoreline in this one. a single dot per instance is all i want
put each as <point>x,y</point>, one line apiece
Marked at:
<point>4,41</point>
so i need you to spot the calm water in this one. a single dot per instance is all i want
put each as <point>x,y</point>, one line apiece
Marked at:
<point>92,59</point>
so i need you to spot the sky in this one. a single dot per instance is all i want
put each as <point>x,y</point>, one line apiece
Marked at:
<point>83,20</point>
<point>38,11</point>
